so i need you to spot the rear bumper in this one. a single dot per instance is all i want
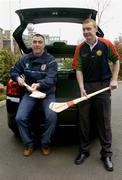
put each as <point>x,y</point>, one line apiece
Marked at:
<point>68,117</point>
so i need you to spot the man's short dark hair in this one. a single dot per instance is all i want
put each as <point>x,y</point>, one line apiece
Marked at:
<point>38,35</point>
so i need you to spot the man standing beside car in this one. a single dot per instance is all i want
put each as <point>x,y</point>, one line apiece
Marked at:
<point>39,69</point>
<point>91,61</point>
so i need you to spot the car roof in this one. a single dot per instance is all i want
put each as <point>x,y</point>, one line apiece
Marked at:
<point>51,14</point>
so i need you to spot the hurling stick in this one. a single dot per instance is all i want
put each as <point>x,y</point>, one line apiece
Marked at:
<point>61,106</point>
<point>35,94</point>
<point>27,86</point>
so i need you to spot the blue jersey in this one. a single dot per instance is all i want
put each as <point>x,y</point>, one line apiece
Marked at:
<point>42,70</point>
<point>94,63</point>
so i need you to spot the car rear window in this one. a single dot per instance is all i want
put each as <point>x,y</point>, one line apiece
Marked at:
<point>70,33</point>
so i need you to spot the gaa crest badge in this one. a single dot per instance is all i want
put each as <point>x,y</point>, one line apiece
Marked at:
<point>99,53</point>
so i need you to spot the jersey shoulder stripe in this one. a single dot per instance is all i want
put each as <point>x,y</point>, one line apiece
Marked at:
<point>75,58</point>
<point>109,44</point>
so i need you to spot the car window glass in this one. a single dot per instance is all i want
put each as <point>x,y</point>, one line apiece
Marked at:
<point>64,64</point>
<point>70,33</point>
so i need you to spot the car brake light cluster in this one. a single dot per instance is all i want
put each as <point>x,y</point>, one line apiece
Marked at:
<point>13,88</point>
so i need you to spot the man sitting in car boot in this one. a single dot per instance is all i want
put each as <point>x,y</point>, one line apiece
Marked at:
<point>39,70</point>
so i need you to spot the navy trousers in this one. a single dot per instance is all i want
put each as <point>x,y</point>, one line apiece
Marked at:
<point>24,113</point>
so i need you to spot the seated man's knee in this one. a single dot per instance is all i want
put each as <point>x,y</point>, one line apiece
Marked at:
<point>51,117</point>
<point>20,120</point>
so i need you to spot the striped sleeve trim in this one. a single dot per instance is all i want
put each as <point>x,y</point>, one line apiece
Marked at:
<point>75,58</point>
<point>54,61</point>
<point>115,54</point>
<point>79,66</point>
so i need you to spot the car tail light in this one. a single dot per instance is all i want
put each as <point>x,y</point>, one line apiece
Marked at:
<point>13,88</point>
